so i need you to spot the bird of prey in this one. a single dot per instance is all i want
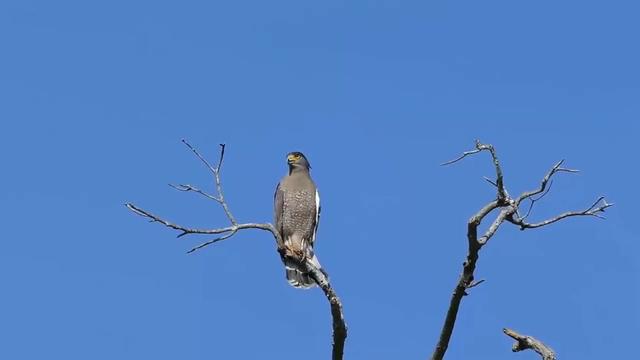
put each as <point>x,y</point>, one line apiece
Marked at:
<point>297,212</point>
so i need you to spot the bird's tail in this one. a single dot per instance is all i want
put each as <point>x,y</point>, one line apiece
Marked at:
<point>300,279</point>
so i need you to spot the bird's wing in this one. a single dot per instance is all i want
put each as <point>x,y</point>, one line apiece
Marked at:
<point>278,205</point>
<point>317,218</point>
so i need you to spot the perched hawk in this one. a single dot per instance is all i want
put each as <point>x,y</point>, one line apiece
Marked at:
<point>297,211</point>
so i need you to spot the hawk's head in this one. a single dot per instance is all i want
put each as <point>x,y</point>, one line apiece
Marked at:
<point>297,160</point>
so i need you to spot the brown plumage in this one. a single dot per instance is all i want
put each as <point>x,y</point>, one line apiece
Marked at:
<point>296,213</point>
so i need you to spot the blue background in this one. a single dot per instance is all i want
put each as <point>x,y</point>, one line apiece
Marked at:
<point>95,97</point>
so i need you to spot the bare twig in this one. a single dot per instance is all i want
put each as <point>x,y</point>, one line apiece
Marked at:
<point>339,325</point>
<point>509,211</point>
<point>211,168</point>
<point>490,181</point>
<point>502,192</point>
<point>219,186</point>
<point>545,180</point>
<point>216,175</point>
<point>499,182</point>
<point>598,206</point>
<point>186,231</point>
<point>464,154</point>
<point>475,283</point>
<point>524,342</point>
<point>187,187</point>
<point>532,201</point>
<point>206,243</point>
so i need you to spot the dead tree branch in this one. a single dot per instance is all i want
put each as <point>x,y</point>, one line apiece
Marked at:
<point>187,187</point>
<point>524,342</point>
<point>509,211</point>
<point>339,325</point>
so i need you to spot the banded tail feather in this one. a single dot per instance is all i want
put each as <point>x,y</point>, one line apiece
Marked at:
<point>299,279</point>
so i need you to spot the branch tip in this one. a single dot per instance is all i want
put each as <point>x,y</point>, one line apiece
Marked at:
<point>490,181</point>
<point>222,147</point>
<point>475,283</point>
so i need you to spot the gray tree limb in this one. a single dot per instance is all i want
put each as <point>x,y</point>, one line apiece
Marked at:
<point>339,324</point>
<point>509,211</point>
<point>524,342</point>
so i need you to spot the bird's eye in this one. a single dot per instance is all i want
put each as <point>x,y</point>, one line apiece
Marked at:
<point>293,157</point>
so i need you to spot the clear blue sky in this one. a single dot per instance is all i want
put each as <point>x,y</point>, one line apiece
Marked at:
<point>95,97</point>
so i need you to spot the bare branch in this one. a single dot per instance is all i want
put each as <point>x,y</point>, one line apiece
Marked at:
<point>524,342</point>
<point>339,325</point>
<point>499,182</point>
<point>219,187</point>
<point>215,171</point>
<point>211,168</point>
<point>543,184</point>
<point>475,283</point>
<point>236,228</point>
<point>532,201</point>
<point>502,192</point>
<point>593,210</point>
<point>495,225</point>
<point>187,187</point>
<point>319,276</point>
<point>465,281</point>
<point>509,212</point>
<point>222,147</point>
<point>184,230</point>
<point>207,243</point>
<point>490,181</point>
<point>464,154</point>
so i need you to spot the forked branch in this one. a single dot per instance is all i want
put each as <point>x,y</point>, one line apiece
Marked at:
<point>510,212</point>
<point>339,325</point>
